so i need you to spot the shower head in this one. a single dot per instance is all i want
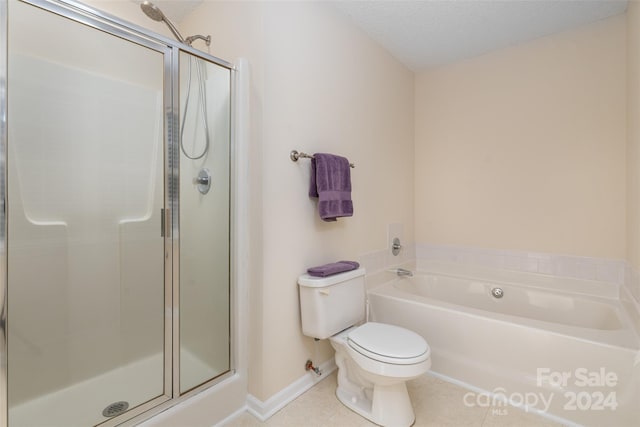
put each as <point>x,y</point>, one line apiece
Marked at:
<point>154,12</point>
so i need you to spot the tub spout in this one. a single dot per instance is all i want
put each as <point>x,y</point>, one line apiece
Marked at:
<point>403,272</point>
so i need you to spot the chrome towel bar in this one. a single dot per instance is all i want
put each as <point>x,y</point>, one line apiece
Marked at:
<point>294,155</point>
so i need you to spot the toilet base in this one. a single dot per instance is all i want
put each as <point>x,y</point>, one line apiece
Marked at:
<point>389,407</point>
<point>378,393</point>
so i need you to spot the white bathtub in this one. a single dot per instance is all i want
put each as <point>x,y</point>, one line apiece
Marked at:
<point>562,347</point>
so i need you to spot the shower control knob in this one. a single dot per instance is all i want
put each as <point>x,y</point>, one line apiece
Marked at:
<point>203,181</point>
<point>396,246</point>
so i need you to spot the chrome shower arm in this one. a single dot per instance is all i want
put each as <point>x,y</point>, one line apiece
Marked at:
<point>191,39</point>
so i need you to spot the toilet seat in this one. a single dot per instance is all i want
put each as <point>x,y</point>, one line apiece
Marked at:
<point>389,344</point>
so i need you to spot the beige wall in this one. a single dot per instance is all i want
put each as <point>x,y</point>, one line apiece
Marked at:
<point>524,148</point>
<point>633,134</point>
<point>318,85</point>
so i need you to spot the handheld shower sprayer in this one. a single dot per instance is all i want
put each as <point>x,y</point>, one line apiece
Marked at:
<point>154,12</point>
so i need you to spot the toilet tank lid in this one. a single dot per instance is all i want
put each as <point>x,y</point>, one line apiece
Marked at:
<point>321,282</point>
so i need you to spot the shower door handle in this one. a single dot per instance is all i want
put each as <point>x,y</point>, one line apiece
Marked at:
<point>161,222</point>
<point>165,221</point>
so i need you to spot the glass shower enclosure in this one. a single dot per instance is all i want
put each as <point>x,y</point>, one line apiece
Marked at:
<point>116,219</point>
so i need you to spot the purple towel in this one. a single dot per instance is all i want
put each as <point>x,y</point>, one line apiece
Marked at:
<point>333,268</point>
<point>331,183</point>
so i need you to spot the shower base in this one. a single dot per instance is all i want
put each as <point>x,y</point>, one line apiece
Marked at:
<point>82,404</point>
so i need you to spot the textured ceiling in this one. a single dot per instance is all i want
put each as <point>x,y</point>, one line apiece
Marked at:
<point>427,33</point>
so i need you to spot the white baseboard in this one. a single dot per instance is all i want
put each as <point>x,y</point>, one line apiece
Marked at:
<point>264,410</point>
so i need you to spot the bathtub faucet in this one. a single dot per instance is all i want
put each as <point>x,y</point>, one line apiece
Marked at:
<point>403,272</point>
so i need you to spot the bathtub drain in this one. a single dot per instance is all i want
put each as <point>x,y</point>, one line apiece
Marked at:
<point>497,292</point>
<point>115,408</point>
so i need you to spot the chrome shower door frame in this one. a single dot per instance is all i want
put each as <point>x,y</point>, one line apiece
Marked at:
<point>4,46</point>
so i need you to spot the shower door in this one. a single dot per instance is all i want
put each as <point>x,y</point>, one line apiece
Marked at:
<point>87,248</point>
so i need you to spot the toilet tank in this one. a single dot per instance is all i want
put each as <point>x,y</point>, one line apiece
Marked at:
<point>331,304</point>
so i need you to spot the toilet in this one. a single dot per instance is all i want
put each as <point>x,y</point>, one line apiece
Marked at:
<point>375,360</point>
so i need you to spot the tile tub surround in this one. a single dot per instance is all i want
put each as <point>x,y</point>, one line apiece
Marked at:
<point>570,266</point>
<point>578,267</point>
<point>632,282</point>
<point>380,260</point>
<point>614,271</point>
<point>436,403</point>
<point>623,277</point>
<point>617,272</point>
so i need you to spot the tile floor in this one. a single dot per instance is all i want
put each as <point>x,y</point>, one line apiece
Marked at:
<point>435,402</point>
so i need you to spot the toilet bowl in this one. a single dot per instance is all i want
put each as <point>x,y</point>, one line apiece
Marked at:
<point>375,360</point>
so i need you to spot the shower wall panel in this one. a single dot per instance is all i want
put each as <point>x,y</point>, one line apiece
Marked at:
<point>82,220</point>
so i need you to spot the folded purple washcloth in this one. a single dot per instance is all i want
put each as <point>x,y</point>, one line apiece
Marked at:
<point>331,184</point>
<point>353,263</point>
<point>333,268</point>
